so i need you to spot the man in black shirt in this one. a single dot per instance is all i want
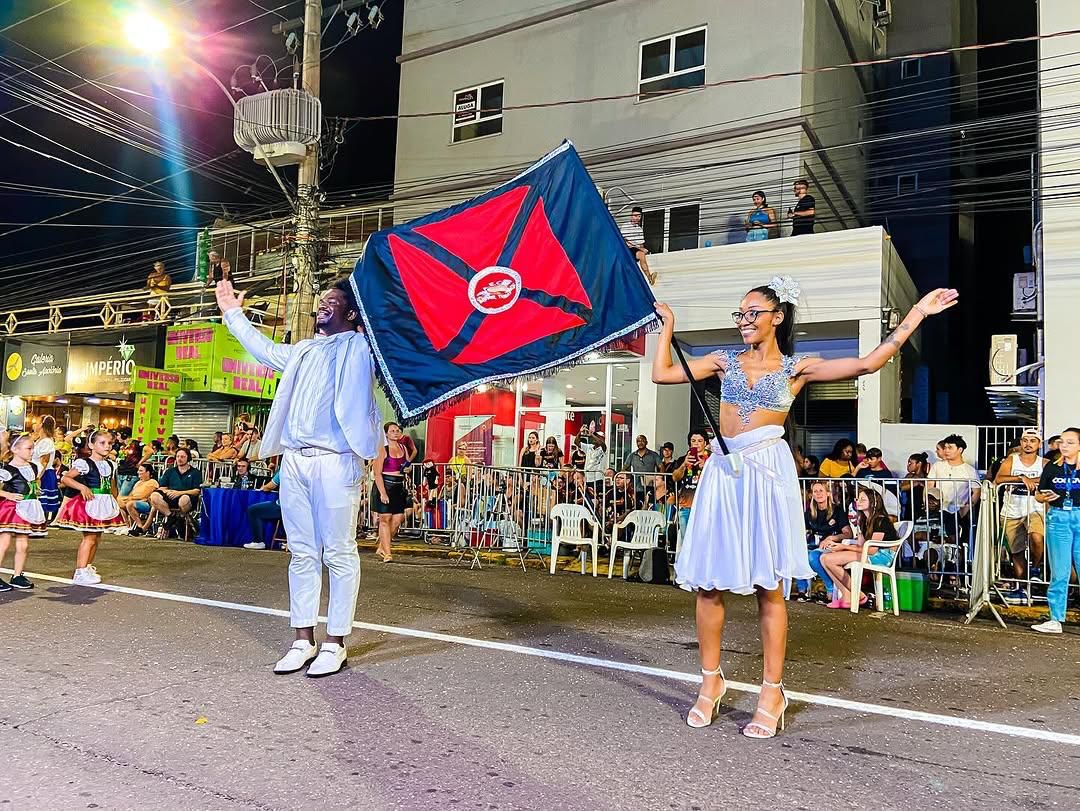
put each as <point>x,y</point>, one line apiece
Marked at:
<point>802,214</point>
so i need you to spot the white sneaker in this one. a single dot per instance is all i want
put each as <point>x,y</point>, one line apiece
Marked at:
<point>85,577</point>
<point>1048,627</point>
<point>297,656</point>
<point>255,545</point>
<point>330,660</point>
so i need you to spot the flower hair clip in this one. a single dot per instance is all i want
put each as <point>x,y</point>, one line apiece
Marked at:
<point>786,289</point>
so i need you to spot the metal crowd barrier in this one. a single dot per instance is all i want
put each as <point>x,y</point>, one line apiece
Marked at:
<point>944,517</point>
<point>1027,586</point>
<point>477,508</point>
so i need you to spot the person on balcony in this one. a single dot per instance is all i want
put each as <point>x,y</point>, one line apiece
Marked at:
<point>220,270</point>
<point>634,234</point>
<point>872,466</point>
<point>158,284</point>
<point>746,533</point>
<point>324,421</point>
<point>802,213</point>
<point>760,221</point>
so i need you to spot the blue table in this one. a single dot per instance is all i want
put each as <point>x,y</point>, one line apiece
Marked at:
<point>224,516</point>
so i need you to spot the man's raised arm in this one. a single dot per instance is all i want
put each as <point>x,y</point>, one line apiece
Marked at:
<point>261,348</point>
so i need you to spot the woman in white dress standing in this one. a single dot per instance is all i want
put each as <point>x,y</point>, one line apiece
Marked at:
<point>746,532</point>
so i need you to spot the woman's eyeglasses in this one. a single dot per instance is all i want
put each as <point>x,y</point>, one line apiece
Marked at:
<point>750,316</point>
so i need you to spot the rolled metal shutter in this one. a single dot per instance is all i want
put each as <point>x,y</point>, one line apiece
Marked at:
<point>200,420</point>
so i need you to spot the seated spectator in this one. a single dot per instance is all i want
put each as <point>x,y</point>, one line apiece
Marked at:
<point>661,499</point>
<point>179,489</point>
<point>634,235</point>
<point>826,523</point>
<point>192,447</point>
<point>872,466</point>
<point>623,500</point>
<point>838,463</point>
<point>242,478</point>
<point>137,503</point>
<point>127,462</point>
<point>226,452</point>
<point>873,525</point>
<point>811,466</point>
<point>217,442</point>
<point>262,511</point>
<point>760,221</point>
<point>580,492</point>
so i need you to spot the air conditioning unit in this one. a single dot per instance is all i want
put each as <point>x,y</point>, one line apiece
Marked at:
<point>1003,360</point>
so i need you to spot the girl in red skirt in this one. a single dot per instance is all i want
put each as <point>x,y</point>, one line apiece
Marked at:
<point>20,511</point>
<point>93,509</point>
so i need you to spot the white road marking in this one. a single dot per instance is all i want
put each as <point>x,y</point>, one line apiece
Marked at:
<point>608,664</point>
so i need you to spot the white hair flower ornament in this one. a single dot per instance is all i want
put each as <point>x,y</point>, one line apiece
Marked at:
<point>786,289</point>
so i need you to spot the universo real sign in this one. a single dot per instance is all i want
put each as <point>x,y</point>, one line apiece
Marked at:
<point>210,359</point>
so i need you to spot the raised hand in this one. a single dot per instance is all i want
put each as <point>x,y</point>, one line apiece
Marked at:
<point>227,297</point>
<point>664,311</point>
<point>937,301</point>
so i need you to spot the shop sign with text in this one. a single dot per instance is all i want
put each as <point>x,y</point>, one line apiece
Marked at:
<point>34,369</point>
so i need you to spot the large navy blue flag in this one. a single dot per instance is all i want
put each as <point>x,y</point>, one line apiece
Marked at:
<point>526,278</point>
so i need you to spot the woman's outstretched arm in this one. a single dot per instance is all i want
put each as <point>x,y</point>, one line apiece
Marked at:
<point>666,371</point>
<point>816,370</point>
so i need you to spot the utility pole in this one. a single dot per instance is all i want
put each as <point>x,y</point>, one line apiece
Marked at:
<point>300,306</point>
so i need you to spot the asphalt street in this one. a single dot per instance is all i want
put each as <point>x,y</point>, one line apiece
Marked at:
<point>500,689</point>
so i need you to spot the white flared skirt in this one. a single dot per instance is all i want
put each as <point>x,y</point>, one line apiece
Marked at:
<point>746,527</point>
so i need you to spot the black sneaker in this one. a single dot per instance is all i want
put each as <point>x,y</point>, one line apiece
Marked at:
<point>20,581</point>
<point>4,586</point>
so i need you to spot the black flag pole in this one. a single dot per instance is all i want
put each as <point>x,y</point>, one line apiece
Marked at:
<point>698,396</point>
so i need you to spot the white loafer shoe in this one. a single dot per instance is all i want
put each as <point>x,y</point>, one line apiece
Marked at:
<point>330,660</point>
<point>297,656</point>
<point>255,545</point>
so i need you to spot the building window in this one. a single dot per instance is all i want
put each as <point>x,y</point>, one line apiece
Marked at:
<point>910,68</point>
<point>907,184</point>
<point>671,229</point>
<point>675,62</point>
<point>478,111</point>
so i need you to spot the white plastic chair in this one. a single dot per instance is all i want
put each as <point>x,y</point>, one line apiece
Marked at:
<point>567,523</point>
<point>863,564</point>
<point>648,526</point>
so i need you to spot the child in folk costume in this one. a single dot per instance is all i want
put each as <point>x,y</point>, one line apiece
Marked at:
<point>21,512</point>
<point>94,508</point>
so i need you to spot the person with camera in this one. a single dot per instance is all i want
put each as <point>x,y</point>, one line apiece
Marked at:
<point>687,471</point>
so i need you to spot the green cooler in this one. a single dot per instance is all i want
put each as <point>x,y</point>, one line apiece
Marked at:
<point>912,588</point>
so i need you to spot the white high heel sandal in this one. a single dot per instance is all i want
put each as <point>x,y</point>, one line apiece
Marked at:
<point>702,719</point>
<point>765,732</point>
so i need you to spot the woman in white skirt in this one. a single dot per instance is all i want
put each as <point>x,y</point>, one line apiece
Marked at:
<point>746,532</point>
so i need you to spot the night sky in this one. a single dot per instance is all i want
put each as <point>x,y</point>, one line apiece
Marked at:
<point>359,78</point>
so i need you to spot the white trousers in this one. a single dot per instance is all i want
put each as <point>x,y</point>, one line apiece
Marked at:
<point>320,498</point>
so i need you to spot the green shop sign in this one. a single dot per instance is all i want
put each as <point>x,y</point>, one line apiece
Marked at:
<point>147,380</point>
<point>209,358</point>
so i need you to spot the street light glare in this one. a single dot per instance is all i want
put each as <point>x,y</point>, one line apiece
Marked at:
<point>145,31</point>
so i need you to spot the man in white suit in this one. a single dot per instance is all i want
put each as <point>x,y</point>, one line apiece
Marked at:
<point>324,422</point>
